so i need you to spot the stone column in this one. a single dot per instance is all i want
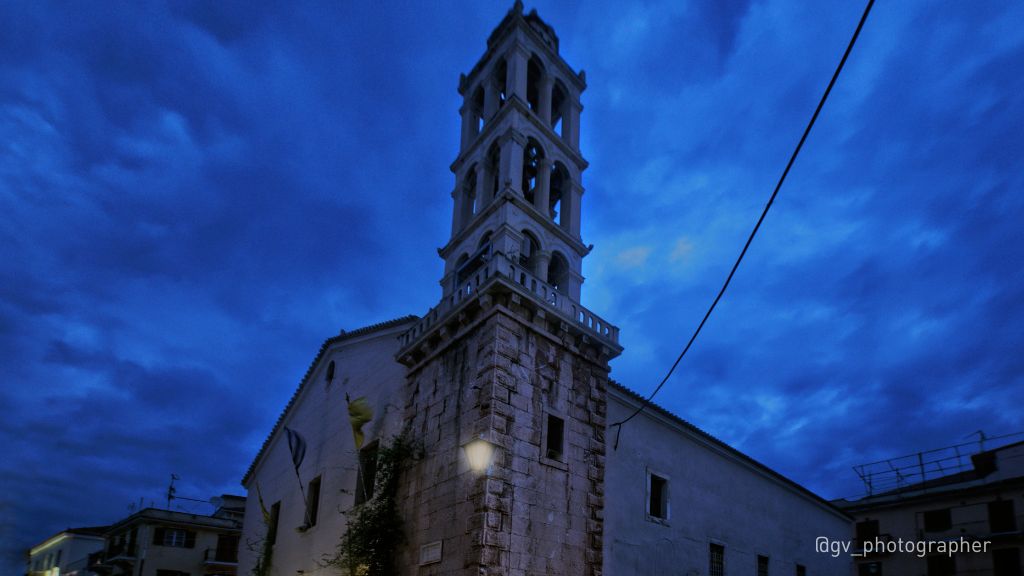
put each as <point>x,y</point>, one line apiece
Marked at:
<point>547,84</point>
<point>518,60</point>
<point>469,124</point>
<point>490,100</point>
<point>571,198</point>
<point>458,216</point>
<point>571,123</point>
<point>542,261</point>
<point>542,198</point>
<point>512,162</point>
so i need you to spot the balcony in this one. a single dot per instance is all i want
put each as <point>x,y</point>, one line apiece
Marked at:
<point>220,556</point>
<point>497,267</point>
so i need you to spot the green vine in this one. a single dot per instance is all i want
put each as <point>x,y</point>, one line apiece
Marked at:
<point>374,532</point>
<point>262,567</point>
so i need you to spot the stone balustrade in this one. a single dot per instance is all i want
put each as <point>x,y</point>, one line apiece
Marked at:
<point>499,265</point>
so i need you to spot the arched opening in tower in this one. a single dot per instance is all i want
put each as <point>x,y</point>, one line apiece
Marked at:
<point>534,74</point>
<point>558,102</point>
<point>528,252</point>
<point>558,188</point>
<point>558,273</point>
<point>532,155</point>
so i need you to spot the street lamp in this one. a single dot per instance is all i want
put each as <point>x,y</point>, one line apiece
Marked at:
<point>480,454</point>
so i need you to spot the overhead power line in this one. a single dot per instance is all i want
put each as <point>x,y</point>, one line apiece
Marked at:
<point>767,206</point>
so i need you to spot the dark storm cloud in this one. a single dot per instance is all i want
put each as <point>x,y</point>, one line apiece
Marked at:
<point>196,195</point>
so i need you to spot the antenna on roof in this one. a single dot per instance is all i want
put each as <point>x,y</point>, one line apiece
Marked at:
<point>981,438</point>
<point>171,490</point>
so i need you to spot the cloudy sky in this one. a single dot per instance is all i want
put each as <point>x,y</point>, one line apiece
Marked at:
<point>195,195</point>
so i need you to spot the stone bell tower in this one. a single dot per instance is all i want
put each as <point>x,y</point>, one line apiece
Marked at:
<point>506,375</point>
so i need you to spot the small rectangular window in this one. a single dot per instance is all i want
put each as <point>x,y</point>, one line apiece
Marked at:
<point>312,501</point>
<point>1006,562</point>
<point>869,569</point>
<point>1001,517</point>
<point>367,474</point>
<point>275,514</point>
<point>716,560</point>
<point>938,520</point>
<point>941,565</point>
<point>555,446</point>
<point>866,530</point>
<point>801,570</point>
<point>762,565</point>
<point>174,537</point>
<point>657,496</point>
<point>227,548</point>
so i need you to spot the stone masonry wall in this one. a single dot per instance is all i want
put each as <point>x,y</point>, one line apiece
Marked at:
<point>499,379</point>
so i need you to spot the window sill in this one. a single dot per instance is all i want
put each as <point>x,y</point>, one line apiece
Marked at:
<point>554,463</point>
<point>657,520</point>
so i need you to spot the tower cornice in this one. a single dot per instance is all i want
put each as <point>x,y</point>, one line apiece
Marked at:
<point>514,21</point>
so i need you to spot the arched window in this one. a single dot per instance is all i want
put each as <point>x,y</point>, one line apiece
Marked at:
<point>500,80</point>
<point>532,155</point>
<point>330,372</point>
<point>558,273</point>
<point>493,161</point>
<point>558,102</point>
<point>559,187</point>
<point>534,74</point>
<point>478,108</point>
<point>470,203</point>
<point>528,252</point>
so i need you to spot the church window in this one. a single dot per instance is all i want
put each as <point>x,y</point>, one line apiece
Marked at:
<point>716,553</point>
<point>367,474</point>
<point>534,74</point>
<point>554,442</point>
<point>657,497</point>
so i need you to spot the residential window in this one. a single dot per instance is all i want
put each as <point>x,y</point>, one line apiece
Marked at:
<point>1001,517</point>
<point>1006,562</point>
<point>716,560</point>
<point>367,475</point>
<point>869,569</point>
<point>175,537</point>
<point>227,548</point>
<point>801,570</point>
<point>762,565</point>
<point>938,520</point>
<point>867,530</point>
<point>171,573</point>
<point>275,514</point>
<point>941,565</point>
<point>312,501</point>
<point>555,443</point>
<point>657,496</point>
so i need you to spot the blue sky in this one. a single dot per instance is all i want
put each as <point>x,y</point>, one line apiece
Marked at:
<point>195,195</point>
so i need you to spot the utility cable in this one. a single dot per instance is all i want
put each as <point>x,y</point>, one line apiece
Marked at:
<point>778,186</point>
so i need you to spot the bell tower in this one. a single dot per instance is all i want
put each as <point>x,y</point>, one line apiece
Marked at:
<point>506,376</point>
<point>518,172</point>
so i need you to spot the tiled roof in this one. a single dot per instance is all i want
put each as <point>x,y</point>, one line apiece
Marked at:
<point>725,447</point>
<point>309,372</point>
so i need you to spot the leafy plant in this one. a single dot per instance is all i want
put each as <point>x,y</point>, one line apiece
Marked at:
<point>375,527</point>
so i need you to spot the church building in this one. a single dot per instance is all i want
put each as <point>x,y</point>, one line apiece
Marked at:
<point>500,398</point>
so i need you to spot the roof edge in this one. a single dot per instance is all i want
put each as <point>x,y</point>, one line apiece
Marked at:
<point>344,335</point>
<point>796,487</point>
